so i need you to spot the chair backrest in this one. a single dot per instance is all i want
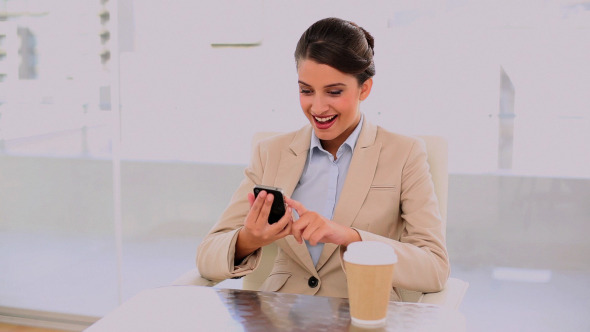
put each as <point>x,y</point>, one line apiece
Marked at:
<point>437,151</point>
<point>438,160</point>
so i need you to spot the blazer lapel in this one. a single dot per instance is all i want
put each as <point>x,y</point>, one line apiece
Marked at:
<point>292,161</point>
<point>289,172</point>
<point>357,184</point>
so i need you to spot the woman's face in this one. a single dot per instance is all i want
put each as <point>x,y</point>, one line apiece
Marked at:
<point>330,100</point>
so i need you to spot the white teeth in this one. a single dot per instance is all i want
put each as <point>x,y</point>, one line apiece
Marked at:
<point>324,119</point>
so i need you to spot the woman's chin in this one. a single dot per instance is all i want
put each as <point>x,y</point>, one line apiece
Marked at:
<point>325,136</point>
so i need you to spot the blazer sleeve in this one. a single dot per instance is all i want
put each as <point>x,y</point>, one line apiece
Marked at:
<point>215,254</point>
<point>423,263</point>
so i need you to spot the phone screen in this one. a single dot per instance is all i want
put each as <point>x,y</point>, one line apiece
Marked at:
<point>277,211</point>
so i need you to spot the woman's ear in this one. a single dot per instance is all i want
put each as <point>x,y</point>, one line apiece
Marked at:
<point>366,89</point>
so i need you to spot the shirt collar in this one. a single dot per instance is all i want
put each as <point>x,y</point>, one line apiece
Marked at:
<point>350,141</point>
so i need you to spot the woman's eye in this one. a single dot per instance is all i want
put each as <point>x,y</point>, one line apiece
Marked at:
<point>305,91</point>
<point>335,92</point>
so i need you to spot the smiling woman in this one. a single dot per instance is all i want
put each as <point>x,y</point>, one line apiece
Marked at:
<point>333,172</point>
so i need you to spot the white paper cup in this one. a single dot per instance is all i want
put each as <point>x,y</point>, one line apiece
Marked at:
<point>369,271</point>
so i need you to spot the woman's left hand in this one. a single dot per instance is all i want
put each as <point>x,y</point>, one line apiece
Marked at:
<point>314,228</point>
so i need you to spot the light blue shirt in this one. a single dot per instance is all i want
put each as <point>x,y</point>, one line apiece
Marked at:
<point>322,180</point>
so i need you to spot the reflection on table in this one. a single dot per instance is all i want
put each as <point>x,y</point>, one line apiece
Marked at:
<point>193,308</point>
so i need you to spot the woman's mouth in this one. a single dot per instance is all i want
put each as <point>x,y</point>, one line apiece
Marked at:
<point>324,122</point>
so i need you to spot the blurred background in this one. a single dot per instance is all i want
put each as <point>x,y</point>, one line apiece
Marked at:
<point>125,126</point>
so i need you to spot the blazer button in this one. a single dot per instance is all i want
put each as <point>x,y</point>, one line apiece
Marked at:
<point>313,282</point>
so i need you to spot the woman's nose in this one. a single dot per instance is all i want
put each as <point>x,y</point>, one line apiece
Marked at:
<point>319,105</point>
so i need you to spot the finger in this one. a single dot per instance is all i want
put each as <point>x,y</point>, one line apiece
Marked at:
<point>317,236</point>
<point>254,212</point>
<point>309,231</point>
<point>296,205</point>
<point>251,199</point>
<point>265,210</point>
<point>286,219</point>
<point>259,200</point>
<point>287,228</point>
<point>297,228</point>
<point>260,197</point>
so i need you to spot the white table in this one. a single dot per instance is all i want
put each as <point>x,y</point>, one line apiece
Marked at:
<point>195,308</point>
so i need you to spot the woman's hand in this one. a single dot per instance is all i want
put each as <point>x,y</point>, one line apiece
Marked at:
<point>257,232</point>
<point>314,228</point>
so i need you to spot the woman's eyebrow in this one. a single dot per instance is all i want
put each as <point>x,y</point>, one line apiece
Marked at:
<point>327,86</point>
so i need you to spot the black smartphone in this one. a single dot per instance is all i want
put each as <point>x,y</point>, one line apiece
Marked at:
<point>277,211</point>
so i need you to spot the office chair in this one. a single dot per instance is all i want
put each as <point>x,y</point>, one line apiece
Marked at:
<point>450,297</point>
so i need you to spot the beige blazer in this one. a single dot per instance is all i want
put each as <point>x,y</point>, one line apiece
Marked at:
<point>388,196</point>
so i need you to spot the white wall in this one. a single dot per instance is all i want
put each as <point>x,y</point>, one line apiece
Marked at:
<point>438,70</point>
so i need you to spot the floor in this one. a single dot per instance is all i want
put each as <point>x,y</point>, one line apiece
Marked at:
<point>498,299</point>
<point>17,328</point>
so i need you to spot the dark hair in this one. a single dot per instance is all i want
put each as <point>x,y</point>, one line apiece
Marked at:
<point>340,44</point>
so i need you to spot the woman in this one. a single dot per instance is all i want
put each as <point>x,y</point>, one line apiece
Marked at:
<point>348,180</point>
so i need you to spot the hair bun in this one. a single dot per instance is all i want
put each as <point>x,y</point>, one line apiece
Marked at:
<point>340,44</point>
<point>370,40</point>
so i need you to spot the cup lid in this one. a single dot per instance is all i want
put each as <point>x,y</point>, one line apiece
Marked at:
<point>370,253</point>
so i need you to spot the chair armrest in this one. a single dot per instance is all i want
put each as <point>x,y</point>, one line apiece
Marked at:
<point>193,278</point>
<point>450,297</point>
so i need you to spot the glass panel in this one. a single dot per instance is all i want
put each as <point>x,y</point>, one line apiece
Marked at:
<point>57,246</point>
<point>175,182</point>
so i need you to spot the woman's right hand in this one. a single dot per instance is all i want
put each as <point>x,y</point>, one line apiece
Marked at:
<point>257,232</point>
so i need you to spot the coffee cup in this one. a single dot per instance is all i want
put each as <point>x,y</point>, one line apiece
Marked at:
<point>369,271</point>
